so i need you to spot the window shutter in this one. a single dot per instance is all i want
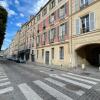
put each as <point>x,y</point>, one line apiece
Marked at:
<point>76,5</point>
<point>58,31</point>
<point>90,1</point>
<point>92,21</point>
<point>66,28</point>
<point>49,36</point>
<point>77,26</point>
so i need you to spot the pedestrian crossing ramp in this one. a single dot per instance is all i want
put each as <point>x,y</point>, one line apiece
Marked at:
<point>57,87</point>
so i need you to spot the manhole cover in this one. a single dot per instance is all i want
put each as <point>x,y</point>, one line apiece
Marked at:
<point>72,87</point>
<point>51,70</point>
<point>85,73</point>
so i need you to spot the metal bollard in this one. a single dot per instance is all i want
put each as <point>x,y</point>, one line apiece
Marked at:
<point>99,68</point>
<point>83,66</point>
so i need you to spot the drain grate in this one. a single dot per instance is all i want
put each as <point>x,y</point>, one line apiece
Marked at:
<point>73,87</point>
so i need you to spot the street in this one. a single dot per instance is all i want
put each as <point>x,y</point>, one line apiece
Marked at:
<point>31,82</point>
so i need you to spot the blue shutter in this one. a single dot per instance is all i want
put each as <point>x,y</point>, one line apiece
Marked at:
<point>77,26</point>
<point>90,1</point>
<point>92,21</point>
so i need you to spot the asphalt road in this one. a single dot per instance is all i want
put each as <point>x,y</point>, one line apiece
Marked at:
<point>30,82</point>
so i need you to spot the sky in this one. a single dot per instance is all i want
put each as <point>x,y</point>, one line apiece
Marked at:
<point>19,12</point>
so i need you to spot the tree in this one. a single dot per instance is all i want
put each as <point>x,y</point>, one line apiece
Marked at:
<point>3,22</point>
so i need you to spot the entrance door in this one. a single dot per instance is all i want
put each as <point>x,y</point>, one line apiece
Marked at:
<point>47,57</point>
<point>32,58</point>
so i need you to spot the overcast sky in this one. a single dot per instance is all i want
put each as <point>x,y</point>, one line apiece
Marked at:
<point>19,12</point>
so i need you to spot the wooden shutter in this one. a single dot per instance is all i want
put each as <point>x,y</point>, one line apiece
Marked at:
<point>92,21</point>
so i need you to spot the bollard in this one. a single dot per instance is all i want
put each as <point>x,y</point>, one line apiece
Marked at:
<point>83,66</point>
<point>99,68</point>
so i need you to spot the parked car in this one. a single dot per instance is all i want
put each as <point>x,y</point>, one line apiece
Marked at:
<point>22,61</point>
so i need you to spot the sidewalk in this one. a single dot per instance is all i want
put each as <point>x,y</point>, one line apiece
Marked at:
<point>88,70</point>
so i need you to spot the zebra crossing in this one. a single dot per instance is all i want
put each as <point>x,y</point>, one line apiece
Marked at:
<point>5,84</point>
<point>56,86</point>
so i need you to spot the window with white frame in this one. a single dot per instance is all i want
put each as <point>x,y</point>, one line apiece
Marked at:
<point>52,18</point>
<point>52,4</point>
<point>62,11</point>
<point>44,12</point>
<point>52,33</point>
<point>86,23</point>
<point>62,30</point>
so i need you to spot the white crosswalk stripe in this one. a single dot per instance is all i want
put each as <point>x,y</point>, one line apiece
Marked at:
<point>55,82</point>
<point>5,84</point>
<point>60,84</point>
<point>80,79</point>
<point>29,93</point>
<point>52,91</point>
<point>4,79</point>
<point>72,81</point>
<point>91,78</point>
<point>6,90</point>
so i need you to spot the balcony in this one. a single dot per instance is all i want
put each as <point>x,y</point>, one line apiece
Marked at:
<point>85,29</point>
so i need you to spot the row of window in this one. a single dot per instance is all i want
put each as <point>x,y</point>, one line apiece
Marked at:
<point>59,31</point>
<point>61,13</point>
<point>85,23</point>
<point>61,53</point>
<point>52,4</point>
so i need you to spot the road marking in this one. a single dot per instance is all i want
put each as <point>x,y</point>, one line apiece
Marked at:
<point>55,82</point>
<point>58,95</point>
<point>63,85</point>
<point>80,93</point>
<point>29,93</point>
<point>3,76</point>
<point>80,79</point>
<point>95,79</point>
<point>44,72</point>
<point>4,79</point>
<point>6,83</point>
<point>72,81</point>
<point>6,90</point>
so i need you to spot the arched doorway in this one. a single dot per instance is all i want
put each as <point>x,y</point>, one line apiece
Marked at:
<point>89,55</point>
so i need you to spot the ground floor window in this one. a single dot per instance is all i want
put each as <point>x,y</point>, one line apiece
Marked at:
<point>61,52</point>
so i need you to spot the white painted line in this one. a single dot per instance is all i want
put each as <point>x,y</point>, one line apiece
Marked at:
<point>44,72</point>
<point>58,83</point>
<point>4,79</point>
<point>55,82</point>
<point>6,90</point>
<point>6,83</point>
<point>94,79</point>
<point>80,93</point>
<point>80,79</point>
<point>72,81</point>
<point>3,76</point>
<point>28,92</point>
<point>58,95</point>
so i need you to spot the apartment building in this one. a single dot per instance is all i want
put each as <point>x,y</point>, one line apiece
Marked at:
<point>64,33</point>
<point>85,29</point>
<point>68,33</point>
<point>52,44</point>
